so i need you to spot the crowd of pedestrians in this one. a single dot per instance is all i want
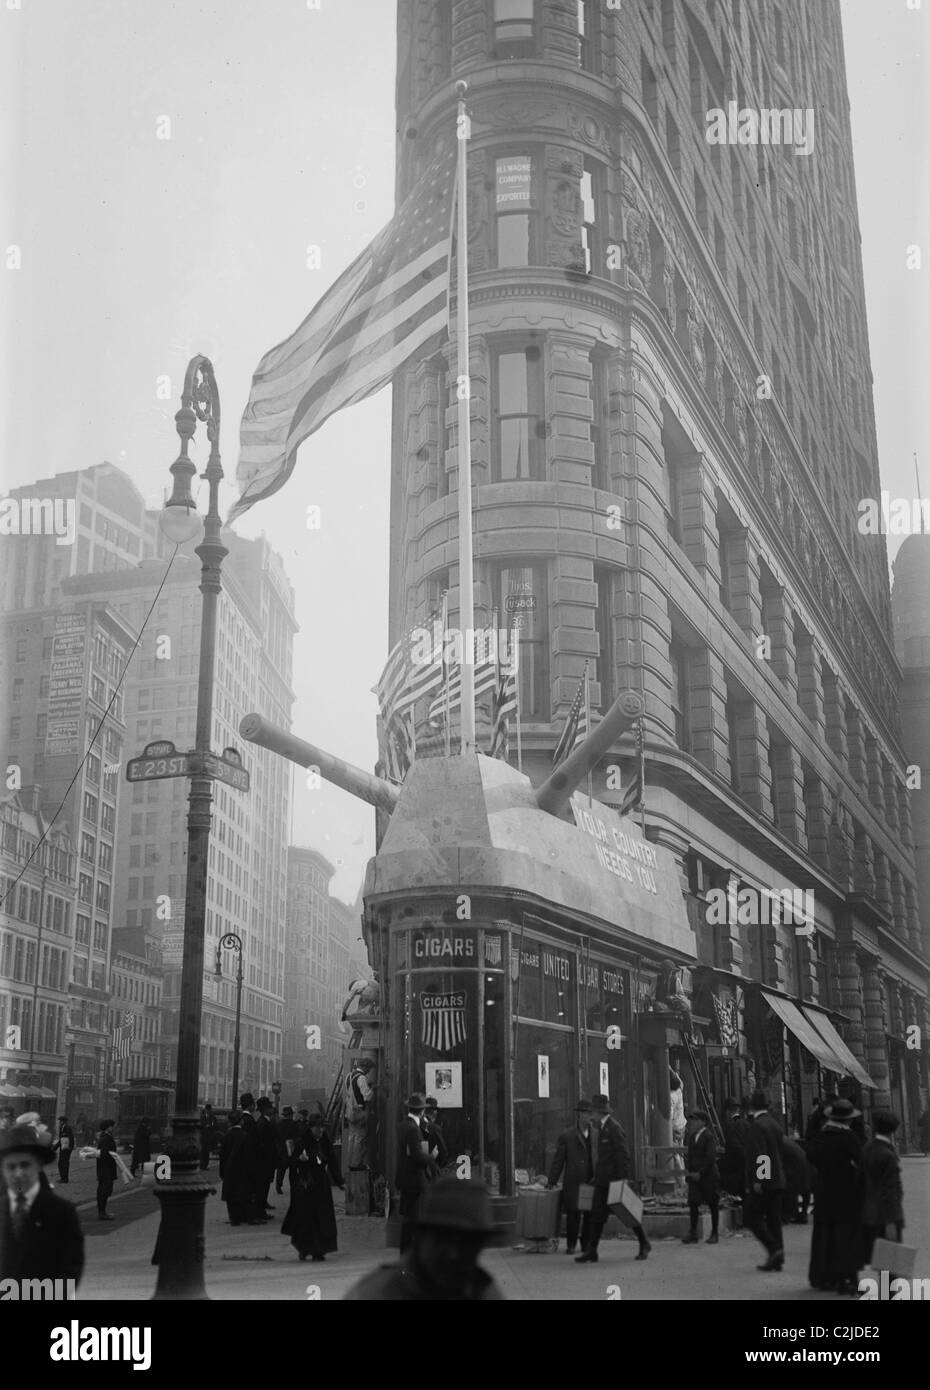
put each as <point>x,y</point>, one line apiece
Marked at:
<point>853,1182</point>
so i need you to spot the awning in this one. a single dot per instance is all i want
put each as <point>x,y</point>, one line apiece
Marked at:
<point>852,1067</point>
<point>9,1092</point>
<point>42,1092</point>
<point>805,1032</point>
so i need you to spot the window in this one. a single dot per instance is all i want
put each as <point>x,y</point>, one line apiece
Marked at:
<point>15,728</point>
<point>90,807</point>
<point>514,29</point>
<point>515,219</point>
<point>82,930</point>
<point>606,670</point>
<point>103,897</point>
<point>21,645</point>
<point>600,420</point>
<point>106,855</point>
<point>518,425</point>
<point>88,848</point>
<point>108,818</point>
<point>591,200</point>
<point>100,936</point>
<point>18,689</point>
<point>93,768</point>
<point>529,585</point>
<point>679,660</point>
<point>588,47</point>
<point>738,706</point>
<point>85,888</point>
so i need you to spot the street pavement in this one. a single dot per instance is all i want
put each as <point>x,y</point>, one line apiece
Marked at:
<point>259,1263</point>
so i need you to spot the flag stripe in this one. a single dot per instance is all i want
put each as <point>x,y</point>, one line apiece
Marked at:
<point>385,307</point>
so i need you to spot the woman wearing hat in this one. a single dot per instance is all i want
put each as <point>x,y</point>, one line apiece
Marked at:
<point>836,1154</point>
<point>311,1221</point>
<point>40,1235</point>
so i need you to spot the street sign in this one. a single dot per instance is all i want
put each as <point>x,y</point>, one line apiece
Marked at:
<point>81,1078</point>
<point>276,1088</point>
<point>227,767</point>
<point>162,759</point>
<point>158,760</point>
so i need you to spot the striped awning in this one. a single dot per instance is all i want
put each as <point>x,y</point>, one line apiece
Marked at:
<point>805,1032</point>
<point>852,1066</point>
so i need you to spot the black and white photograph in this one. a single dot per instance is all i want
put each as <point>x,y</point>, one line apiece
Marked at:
<point>465,666</point>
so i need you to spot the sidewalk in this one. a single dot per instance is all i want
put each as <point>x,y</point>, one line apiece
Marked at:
<point>259,1263</point>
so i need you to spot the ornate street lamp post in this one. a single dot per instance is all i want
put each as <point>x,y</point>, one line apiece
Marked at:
<point>232,942</point>
<point>179,1250</point>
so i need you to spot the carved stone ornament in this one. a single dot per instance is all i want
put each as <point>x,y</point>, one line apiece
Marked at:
<point>514,115</point>
<point>696,340</point>
<point>668,288</point>
<point>563,205</point>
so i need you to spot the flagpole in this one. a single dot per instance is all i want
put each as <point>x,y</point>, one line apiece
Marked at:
<point>587,724</point>
<point>463,392</point>
<point>641,744</point>
<point>515,661</point>
<point>447,721</point>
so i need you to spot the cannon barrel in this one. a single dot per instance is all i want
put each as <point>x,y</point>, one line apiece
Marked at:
<point>558,787</point>
<point>364,785</point>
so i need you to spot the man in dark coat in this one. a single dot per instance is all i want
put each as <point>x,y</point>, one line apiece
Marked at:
<point>883,1199</point>
<point>287,1135</point>
<point>141,1145</point>
<point>703,1176</point>
<point>765,1181</point>
<point>209,1128</point>
<point>733,1165</point>
<point>106,1168</point>
<point>432,1129</point>
<point>40,1235</point>
<point>836,1241</point>
<point>414,1166</point>
<point>611,1162</point>
<point>65,1146</point>
<point>798,1179</point>
<point>237,1171</point>
<point>815,1120</point>
<point>453,1225</point>
<point>311,1219</point>
<point>574,1164</point>
<point>266,1149</point>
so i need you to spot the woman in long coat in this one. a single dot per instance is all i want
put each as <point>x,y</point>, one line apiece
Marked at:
<point>311,1220</point>
<point>836,1154</point>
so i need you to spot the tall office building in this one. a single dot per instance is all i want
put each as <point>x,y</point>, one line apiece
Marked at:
<point>672,428</point>
<point>246,889</point>
<point>322,961</point>
<point>81,560</point>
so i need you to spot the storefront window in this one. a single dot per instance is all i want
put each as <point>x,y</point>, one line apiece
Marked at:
<point>608,1036</point>
<point>546,1061</point>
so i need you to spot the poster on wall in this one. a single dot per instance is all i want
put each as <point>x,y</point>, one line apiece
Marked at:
<point>543,1065</point>
<point>444,1083</point>
<point>605,1079</point>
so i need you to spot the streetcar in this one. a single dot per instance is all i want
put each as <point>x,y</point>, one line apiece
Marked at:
<point>152,1097</point>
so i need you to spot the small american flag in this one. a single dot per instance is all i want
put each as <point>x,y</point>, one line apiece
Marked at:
<point>576,725</point>
<point>123,1036</point>
<point>390,302</point>
<point>635,794</point>
<point>505,706</point>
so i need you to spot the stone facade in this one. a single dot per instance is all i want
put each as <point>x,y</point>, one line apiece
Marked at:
<point>698,432</point>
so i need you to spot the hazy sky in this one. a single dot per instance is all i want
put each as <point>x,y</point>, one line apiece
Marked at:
<point>138,251</point>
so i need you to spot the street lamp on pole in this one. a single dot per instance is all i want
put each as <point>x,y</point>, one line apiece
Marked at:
<point>232,942</point>
<point>179,1250</point>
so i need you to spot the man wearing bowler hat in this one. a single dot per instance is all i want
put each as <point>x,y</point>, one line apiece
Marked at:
<point>415,1167</point>
<point>574,1163</point>
<point>448,1235</point>
<point>611,1163</point>
<point>40,1235</point>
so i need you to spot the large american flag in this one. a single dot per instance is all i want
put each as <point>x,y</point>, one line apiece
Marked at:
<point>123,1035</point>
<point>391,300</point>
